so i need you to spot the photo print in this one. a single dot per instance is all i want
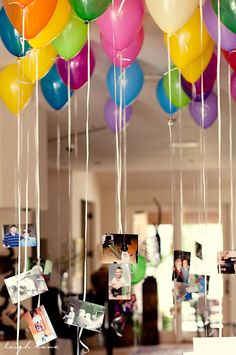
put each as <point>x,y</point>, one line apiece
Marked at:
<point>30,283</point>
<point>181,292</point>
<point>198,283</point>
<point>45,266</point>
<point>12,312</point>
<point>198,250</point>
<point>13,237</point>
<point>40,326</point>
<point>84,314</point>
<point>119,282</point>
<point>181,266</point>
<point>119,248</point>
<point>226,262</point>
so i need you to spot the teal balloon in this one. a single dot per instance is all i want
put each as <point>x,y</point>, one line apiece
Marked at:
<point>11,39</point>
<point>138,270</point>
<point>163,99</point>
<point>54,90</point>
<point>89,10</point>
<point>131,79</point>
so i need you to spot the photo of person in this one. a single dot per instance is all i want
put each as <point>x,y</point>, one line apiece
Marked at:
<point>181,266</point>
<point>12,312</point>
<point>30,283</point>
<point>119,282</point>
<point>119,248</point>
<point>84,314</point>
<point>13,237</point>
<point>45,265</point>
<point>226,262</point>
<point>198,250</point>
<point>40,326</point>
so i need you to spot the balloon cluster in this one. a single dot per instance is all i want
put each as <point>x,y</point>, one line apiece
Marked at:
<point>49,39</point>
<point>190,42</point>
<point>122,35</point>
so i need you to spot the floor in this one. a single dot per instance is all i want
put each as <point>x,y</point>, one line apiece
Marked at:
<point>148,350</point>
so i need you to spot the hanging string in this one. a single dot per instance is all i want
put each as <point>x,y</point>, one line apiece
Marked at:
<point>86,192</point>
<point>26,201</point>
<point>181,162</point>
<point>69,174</point>
<point>125,166</point>
<point>59,198</point>
<point>76,126</point>
<point>219,155</point>
<point>231,160</point>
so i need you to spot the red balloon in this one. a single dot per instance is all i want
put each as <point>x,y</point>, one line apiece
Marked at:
<point>230,58</point>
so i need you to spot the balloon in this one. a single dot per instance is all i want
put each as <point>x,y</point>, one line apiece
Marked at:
<point>119,28</point>
<point>210,111</point>
<point>54,90</point>
<point>72,39</point>
<point>37,14</point>
<point>54,26</point>
<point>227,13</point>
<point>15,89</point>
<point>89,10</point>
<point>193,71</point>
<point>112,116</point>
<point>46,58</point>
<point>171,15</point>
<point>230,58</point>
<point>23,2</point>
<point>233,86</point>
<point>186,44</point>
<point>209,77</point>
<point>178,97</point>
<point>163,99</point>
<point>78,68</point>
<point>228,38</point>
<point>11,39</point>
<point>131,79</point>
<point>128,55</point>
<point>138,270</point>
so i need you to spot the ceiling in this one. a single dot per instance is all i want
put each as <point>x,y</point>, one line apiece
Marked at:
<point>148,149</point>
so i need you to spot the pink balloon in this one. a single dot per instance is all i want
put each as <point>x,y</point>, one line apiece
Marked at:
<point>121,23</point>
<point>233,86</point>
<point>128,55</point>
<point>78,68</point>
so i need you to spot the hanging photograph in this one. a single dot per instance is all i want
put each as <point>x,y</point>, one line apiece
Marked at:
<point>198,250</point>
<point>119,248</point>
<point>84,314</point>
<point>181,266</point>
<point>40,326</point>
<point>181,292</point>
<point>45,266</point>
<point>30,283</point>
<point>226,262</point>
<point>13,237</point>
<point>198,283</point>
<point>119,282</point>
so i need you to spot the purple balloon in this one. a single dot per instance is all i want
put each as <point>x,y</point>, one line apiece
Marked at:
<point>210,111</point>
<point>233,85</point>
<point>209,77</point>
<point>112,115</point>
<point>228,38</point>
<point>78,68</point>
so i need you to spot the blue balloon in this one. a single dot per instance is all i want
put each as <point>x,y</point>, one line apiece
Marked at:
<point>132,83</point>
<point>163,99</point>
<point>54,90</point>
<point>11,39</point>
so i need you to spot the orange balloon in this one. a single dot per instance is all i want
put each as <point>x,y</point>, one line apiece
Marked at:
<point>24,2</point>
<point>37,13</point>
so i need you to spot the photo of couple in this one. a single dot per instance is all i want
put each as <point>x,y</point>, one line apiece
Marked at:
<point>181,266</point>
<point>12,239</point>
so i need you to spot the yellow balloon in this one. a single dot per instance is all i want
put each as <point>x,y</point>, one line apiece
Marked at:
<point>193,71</point>
<point>171,15</point>
<point>15,89</point>
<point>46,58</point>
<point>55,25</point>
<point>185,44</point>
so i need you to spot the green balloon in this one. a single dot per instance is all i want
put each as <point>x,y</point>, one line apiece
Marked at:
<point>227,13</point>
<point>72,39</point>
<point>178,97</point>
<point>89,10</point>
<point>138,270</point>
